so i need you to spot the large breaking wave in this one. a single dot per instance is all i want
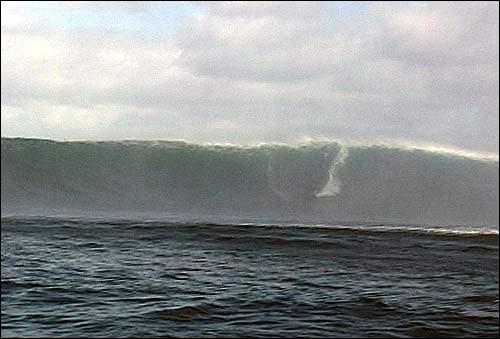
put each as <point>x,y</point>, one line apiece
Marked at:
<point>323,180</point>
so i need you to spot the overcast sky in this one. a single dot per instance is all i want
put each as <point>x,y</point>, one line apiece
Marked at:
<point>245,72</point>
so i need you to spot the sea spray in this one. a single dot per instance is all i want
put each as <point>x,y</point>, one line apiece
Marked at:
<point>333,185</point>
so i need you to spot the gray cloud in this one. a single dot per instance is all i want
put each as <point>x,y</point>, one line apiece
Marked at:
<point>246,72</point>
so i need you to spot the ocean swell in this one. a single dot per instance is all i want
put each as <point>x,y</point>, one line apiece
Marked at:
<point>314,181</point>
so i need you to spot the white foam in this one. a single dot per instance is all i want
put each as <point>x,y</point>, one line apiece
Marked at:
<point>333,185</point>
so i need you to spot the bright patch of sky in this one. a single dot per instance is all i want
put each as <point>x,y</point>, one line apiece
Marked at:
<point>154,16</point>
<point>151,17</point>
<point>347,8</point>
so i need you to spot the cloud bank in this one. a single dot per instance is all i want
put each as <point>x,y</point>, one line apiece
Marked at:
<point>246,72</point>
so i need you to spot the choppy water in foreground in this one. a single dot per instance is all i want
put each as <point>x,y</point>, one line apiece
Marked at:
<point>118,278</point>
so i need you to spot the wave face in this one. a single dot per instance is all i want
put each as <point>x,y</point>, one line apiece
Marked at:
<point>327,181</point>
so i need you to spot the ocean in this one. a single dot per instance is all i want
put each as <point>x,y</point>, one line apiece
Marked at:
<point>170,239</point>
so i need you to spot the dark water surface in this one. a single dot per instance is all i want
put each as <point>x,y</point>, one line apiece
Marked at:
<point>112,278</point>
